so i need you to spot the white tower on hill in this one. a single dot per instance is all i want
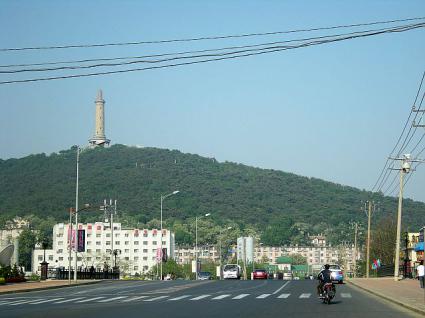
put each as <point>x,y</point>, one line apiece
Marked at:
<point>99,139</point>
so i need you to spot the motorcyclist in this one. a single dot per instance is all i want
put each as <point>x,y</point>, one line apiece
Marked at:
<point>324,277</point>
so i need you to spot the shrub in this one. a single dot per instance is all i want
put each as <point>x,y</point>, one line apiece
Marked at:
<point>2,281</point>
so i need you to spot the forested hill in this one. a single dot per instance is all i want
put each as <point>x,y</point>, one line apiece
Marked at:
<point>273,203</point>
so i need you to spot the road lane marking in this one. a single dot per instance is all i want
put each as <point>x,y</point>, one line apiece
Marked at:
<point>263,296</point>
<point>68,300</point>
<point>345,295</point>
<point>180,297</point>
<point>156,298</point>
<point>221,297</point>
<point>110,299</point>
<point>44,301</point>
<point>240,296</point>
<point>276,291</point>
<point>200,297</point>
<point>133,298</point>
<point>305,296</point>
<point>90,299</point>
<point>284,296</point>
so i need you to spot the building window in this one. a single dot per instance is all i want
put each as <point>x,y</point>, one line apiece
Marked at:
<point>145,258</point>
<point>40,257</point>
<point>98,251</point>
<point>97,235</point>
<point>60,242</point>
<point>164,243</point>
<point>89,251</point>
<point>136,268</point>
<point>136,251</point>
<point>108,234</point>
<point>88,242</point>
<point>126,235</point>
<point>127,242</point>
<point>61,258</point>
<point>145,251</point>
<point>50,257</point>
<point>98,243</point>
<point>108,242</point>
<point>117,235</point>
<point>136,258</point>
<point>136,242</point>
<point>127,258</point>
<point>154,243</point>
<point>60,251</point>
<point>88,258</point>
<point>145,242</point>
<point>88,234</point>
<point>117,242</point>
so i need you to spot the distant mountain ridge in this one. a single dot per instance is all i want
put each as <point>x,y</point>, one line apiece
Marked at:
<point>251,197</point>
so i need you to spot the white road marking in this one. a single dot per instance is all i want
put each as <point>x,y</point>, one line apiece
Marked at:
<point>180,297</point>
<point>200,297</point>
<point>14,303</point>
<point>89,299</point>
<point>156,298</point>
<point>263,296</point>
<point>45,301</point>
<point>240,296</point>
<point>133,298</point>
<point>345,295</point>
<point>68,300</point>
<point>284,296</point>
<point>305,296</point>
<point>276,291</point>
<point>220,297</point>
<point>110,299</point>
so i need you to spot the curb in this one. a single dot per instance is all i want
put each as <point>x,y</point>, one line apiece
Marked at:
<point>46,288</point>
<point>415,309</point>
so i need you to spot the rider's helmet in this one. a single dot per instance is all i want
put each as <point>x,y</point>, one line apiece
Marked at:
<point>327,266</point>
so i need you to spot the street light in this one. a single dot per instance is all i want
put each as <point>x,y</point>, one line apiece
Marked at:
<point>196,240</point>
<point>72,210</point>
<point>162,199</point>
<point>221,265</point>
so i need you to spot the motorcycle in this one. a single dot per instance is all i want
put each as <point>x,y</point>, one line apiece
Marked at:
<point>328,293</point>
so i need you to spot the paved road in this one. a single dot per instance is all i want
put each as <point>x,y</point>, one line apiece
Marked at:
<point>221,299</point>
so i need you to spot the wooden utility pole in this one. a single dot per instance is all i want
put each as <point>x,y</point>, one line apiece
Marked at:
<point>355,250</point>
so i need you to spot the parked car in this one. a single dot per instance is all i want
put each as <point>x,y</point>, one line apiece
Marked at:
<point>337,274</point>
<point>259,274</point>
<point>232,271</point>
<point>204,276</point>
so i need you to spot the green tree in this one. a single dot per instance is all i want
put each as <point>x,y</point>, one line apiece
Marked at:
<point>27,240</point>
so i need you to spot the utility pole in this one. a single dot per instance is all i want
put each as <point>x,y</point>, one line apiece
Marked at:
<point>355,250</point>
<point>370,210</point>
<point>76,216</point>
<point>109,211</point>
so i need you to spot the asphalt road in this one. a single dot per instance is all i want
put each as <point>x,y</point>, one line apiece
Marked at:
<point>268,298</point>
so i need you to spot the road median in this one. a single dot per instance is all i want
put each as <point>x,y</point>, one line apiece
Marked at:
<point>42,285</point>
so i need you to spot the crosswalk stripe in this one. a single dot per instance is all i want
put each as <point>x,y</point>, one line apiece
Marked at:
<point>305,296</point>
<point>45,301</point>
<point>156,298</point>
<point>220,297</point>
<point>68,300</point>
<point>240,296</point>
<point>284,296</point>
<point>133,299</point>
<point>180,297</point>
<point>200,297</point>
<point>345,295</point>
<point>19,302</point>
<point>90,299</point>
<point>110,299</point>
<point>263,296</point>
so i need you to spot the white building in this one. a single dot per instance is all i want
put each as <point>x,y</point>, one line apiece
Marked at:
<point>138,247</point>
<point>245,249</point>
<point>207,253</point>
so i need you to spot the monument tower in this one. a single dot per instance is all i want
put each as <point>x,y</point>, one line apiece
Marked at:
<point>99,139</point>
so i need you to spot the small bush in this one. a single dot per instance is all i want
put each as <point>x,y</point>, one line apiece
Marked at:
<point>2,281</point>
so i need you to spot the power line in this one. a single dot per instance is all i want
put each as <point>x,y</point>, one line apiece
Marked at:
<point>209,37</point>
<point>189,57</point>
<point>385,172</point>
<point>263,51</point>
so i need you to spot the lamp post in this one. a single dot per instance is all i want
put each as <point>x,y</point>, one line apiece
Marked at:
<point>196,240</point>
<point>221,265</point>
<point>163,197</point>
<point>72,210</point>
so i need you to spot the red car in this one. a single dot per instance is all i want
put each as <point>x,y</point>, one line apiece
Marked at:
<point>259,274</point>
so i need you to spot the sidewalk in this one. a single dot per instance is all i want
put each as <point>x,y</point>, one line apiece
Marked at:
<point>406,292</point>
<point>34,286</point>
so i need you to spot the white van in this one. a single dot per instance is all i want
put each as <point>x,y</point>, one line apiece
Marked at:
<point>232,271</point>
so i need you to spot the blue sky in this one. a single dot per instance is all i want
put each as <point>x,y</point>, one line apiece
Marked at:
<point>332,111</point>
